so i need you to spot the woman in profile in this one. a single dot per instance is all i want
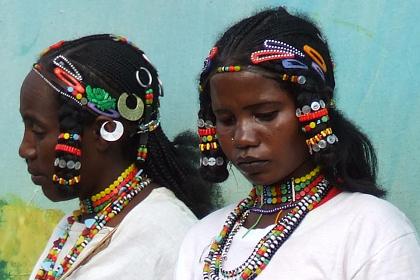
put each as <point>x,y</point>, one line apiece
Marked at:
<point>90,108</point>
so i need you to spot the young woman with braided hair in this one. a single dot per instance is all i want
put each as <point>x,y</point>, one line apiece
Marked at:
<point>90,108</point>
<point>314,211</point>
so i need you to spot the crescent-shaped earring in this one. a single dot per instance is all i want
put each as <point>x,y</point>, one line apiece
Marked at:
<point>112,136</point>
<point>128,113</point>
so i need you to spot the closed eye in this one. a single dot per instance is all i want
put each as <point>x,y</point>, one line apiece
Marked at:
<point>225,121</point>
<point>266,117</point>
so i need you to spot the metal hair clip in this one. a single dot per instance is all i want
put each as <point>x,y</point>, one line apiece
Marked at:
<point>65,64</point>
<point>150,126</point>
<point>282,46</point>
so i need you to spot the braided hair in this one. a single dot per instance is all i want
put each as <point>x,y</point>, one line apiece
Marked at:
<point>291,50</point>
<point>109,65</point>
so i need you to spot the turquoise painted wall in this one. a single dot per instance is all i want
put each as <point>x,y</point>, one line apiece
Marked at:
<point>375,46</point>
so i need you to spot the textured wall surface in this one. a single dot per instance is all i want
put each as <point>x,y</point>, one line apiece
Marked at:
<point>375,46</point>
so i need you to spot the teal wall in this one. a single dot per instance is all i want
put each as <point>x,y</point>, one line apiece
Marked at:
<point>375,45</point>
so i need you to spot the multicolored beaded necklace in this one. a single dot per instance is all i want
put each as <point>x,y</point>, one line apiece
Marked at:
<point>268,245</point>
<point>97,202</point>
<point>289,191</point>
<point>127,190</point>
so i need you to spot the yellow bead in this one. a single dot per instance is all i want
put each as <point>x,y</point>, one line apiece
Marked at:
<point>312,124</point>
<point>79,96</point>
<point>80,240</point>
<point>66,136</point>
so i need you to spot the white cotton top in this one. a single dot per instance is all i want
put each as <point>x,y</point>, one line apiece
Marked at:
<point>352,236</point>
<point>143,246</point>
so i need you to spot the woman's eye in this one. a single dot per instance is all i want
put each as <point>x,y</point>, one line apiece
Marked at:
<point>265,117</point>
<point>38,131</point>
<point>226,121</point>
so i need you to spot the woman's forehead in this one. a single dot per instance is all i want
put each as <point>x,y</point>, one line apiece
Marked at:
<point>37,99</point>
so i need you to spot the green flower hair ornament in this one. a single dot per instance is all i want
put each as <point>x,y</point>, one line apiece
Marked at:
<point>100,98</point>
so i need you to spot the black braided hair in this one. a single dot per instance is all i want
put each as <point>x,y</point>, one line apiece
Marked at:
<point>349,164</point>
<point>110,62</point>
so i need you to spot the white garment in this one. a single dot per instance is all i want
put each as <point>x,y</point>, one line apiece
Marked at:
<point>352,236</point>
<point>143,246</point>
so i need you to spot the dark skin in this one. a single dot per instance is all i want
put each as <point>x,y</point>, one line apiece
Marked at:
<point>268,146</point>
<point>39,111</point>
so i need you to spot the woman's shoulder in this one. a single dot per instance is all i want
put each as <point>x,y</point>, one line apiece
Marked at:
<point>378,213</point>
<point>161,203</point>
<point>161,211</point>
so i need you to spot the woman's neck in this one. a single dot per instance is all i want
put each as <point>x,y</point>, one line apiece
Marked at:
<point>289,190</point>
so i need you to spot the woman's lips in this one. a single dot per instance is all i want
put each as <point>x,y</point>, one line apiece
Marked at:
<point>252,166</point>
<point>37,179</point>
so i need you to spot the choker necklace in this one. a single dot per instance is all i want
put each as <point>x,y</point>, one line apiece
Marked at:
<point>97,202</point>
<point>289,191</point>
<point>49,270</point>
<point>267,246</point>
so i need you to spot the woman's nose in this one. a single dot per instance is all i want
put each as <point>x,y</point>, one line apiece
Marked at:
<point>245,135</point>
<point>27,148</point>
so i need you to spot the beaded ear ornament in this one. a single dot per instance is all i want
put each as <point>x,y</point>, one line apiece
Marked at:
<point>314,118</point>
<point>67,162</point>
<point>209,145</point>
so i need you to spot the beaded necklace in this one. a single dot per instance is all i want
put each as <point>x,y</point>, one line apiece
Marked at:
<point>97,202</point>
<point>267,246</point>
<point>289,191</point>
<point>126,193</point>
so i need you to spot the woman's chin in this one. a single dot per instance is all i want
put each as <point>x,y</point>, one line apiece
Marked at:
<point>56,195</point>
